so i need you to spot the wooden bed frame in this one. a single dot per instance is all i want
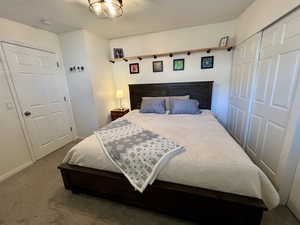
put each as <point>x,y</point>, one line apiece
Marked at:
<point>202,205</point>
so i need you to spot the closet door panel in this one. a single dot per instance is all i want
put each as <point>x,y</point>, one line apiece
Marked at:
<point>237,81</point>
<point>255,131</point>
<point>240,125</point>
<point>246,81</point>
<point>244,67</point>
<point>276,83</point>
<point>264,71</point>
<point>233,120</point>
<point>285,80</point>
<point>230,117</point>
<point>272,145</point>
<point>276,110</point>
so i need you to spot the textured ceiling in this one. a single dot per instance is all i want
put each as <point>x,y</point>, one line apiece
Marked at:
<point>140,16</point>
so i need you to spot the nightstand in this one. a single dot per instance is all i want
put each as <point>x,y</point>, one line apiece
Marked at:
<point>117,113</point>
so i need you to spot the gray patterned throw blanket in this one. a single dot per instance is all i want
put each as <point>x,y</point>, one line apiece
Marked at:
<point>140,154</point>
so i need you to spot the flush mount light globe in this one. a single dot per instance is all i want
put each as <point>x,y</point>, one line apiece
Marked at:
<point>106,8</point>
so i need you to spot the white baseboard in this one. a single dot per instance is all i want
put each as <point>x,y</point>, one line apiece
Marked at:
<point>14,171</point>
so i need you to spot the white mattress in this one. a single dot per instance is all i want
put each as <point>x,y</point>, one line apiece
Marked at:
<point>212,159</point>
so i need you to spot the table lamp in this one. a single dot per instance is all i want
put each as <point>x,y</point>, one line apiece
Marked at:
<point>120,95</point>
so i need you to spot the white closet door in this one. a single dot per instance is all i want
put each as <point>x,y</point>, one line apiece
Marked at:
<point>40,90</point>
<point>244,67</point>
<point>276,83</point>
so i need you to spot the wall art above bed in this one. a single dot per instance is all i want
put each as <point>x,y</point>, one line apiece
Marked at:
<point>134,68</point>
<point>118,53</point>
<point>207,62</point>
<point>158,66</point>
<point>178,64</point>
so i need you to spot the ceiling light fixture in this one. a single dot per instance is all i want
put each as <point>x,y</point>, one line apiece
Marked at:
<point>106,8</point>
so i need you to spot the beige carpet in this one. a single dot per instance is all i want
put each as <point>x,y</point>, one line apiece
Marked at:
<point>36,196</point>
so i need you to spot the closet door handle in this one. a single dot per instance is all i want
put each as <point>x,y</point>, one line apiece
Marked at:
<point>27,113</point>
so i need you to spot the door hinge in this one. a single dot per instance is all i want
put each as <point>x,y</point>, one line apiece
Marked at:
<point>71,129</point>
<point>57,64</point>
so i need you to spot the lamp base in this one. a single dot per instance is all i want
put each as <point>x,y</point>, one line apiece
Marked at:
<point>121,106</point>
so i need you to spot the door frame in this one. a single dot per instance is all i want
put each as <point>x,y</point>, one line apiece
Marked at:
<point>16,100</point>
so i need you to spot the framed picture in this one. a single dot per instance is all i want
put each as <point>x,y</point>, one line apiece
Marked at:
<point>118,53</point>
<point>178,64</point>
<point>134,68</point>
<point>207,62</point>
<point>224,41</point>
<point>158,66</point>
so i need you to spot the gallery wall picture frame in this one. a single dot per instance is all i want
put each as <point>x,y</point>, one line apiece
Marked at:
<point>178,64</point>
<point>134,68</point>
<point>118,53</point>
<point>158,66</point>
<point>224,41</point>
<point>207,62</point>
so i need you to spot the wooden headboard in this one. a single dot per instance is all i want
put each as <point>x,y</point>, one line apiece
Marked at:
<point>202,91</point>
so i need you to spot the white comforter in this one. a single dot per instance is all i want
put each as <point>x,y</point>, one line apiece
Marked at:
<point>212,159</point>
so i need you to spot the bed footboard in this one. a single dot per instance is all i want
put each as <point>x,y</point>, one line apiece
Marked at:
<point>202,205</point>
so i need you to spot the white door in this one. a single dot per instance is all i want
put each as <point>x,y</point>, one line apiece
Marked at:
<point>41,92</point>
<point>243,70</point>
<point>276,84</point>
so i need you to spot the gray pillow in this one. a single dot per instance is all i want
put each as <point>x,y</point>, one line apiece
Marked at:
<point>168,98</point>
<point>187,106</point>
<point>153,106</point>
<point>168,104</point>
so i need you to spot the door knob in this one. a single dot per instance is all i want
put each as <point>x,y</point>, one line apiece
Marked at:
<point>27,113</point>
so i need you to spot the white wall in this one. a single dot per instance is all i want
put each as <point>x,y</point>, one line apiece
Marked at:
<point>14,152</point>
<point>81,91</point>
<point>91,90</point>
<point>29,36</point>
<point>177,40</point>
<point>101,76</point>
<point>261,14</point>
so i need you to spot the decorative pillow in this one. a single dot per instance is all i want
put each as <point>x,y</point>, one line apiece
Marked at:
<point>168,99</point>
<point>153,106</point>
<point>168,104</point>
<point>156,98</point>
<point>187,106</point>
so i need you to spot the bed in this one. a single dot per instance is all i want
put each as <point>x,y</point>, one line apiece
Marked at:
<point>213,181</point>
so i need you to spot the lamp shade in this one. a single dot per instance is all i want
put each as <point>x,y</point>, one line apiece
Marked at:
<point>119,93</point>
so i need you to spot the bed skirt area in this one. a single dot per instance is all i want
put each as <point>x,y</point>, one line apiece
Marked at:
<point>207,207</point>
